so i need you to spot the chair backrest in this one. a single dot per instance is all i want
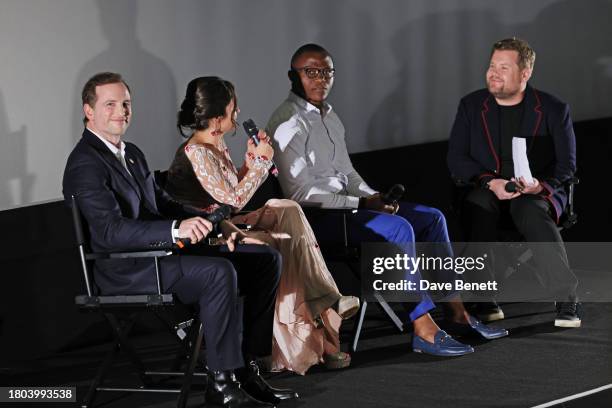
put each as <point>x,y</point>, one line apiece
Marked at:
<point>86,255</point>
<point>270,188</point>
<point>161,178</point>
<point>82,241</point>
<point>569,218</point>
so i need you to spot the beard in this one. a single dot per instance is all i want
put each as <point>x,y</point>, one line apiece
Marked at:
<point>501,91</point>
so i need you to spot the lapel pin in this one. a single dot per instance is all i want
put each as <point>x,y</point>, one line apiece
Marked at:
<point>131,161</point>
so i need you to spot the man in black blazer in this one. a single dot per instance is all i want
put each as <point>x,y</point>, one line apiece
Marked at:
<point>125,209</point>
<point>480,152</point>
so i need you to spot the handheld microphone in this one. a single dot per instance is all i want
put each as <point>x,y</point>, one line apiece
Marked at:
<point>511,187</point>
<point>214,217</point>
<point>219,214</point>
<point>251,129</point>
<point>394,194</point>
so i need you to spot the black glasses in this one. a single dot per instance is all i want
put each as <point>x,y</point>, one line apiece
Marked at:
<point>323,73</point>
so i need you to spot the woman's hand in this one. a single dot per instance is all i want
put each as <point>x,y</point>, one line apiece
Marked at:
<point>263,150</point>
<point>233,235</point>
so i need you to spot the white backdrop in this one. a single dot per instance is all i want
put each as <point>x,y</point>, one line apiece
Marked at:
<point>401,67</point>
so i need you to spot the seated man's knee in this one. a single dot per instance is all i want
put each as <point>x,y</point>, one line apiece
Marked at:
<point>402,231</point>
<point>224,275</point>
<point>437,215</point>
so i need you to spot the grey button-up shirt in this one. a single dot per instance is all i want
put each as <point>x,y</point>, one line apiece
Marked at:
<point>311,156</point>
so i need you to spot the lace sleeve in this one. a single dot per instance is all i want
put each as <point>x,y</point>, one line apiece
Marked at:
<point>220,180</point>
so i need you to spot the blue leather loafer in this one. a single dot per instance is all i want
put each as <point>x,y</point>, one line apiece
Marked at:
<point>485,331</point>
<point>443,345</point>
<point>475,326</point>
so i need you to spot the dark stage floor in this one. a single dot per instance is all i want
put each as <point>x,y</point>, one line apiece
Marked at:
<point>537,364</point>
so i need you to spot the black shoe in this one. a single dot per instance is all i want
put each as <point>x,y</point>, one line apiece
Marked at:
<point>569,314</point>
<point>223,390</point>
<point>487,311</point>
<point>257,387</point>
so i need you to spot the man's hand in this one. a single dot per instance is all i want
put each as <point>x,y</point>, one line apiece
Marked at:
<point>498,187</point>
<point>374,202</point>
<point>526,188</point>
<point>195,229</point>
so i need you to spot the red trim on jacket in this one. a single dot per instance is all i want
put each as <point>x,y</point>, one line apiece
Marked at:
<point>539,112</point>
<point>486,129</point>
<point>549,197</point>
<point>547,187</point>
<point>487,175</point>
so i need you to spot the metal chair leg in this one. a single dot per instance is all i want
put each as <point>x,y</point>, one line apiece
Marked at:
<point>100,376</point>
<point>121,334</point>
<point>389,311</point>
<point>359,324</point>
<point>187,380</point>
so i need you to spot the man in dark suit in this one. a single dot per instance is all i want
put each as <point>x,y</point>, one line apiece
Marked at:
<point>125,209</point>
<point>481,152</point>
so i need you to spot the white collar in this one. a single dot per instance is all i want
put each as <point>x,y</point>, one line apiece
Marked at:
<point>111,146</point>
<point>309,106</point>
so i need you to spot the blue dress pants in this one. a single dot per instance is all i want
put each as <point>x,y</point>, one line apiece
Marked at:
<point>413,222</point>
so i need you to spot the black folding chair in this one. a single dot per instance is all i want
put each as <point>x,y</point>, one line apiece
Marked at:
<point>334,250</point>
<point>343,252</point>
<point>122,311</point>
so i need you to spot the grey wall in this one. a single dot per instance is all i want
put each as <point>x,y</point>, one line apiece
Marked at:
<point>402,66</point>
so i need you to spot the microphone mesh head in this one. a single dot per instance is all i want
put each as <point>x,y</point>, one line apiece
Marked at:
<point>397,191</point>
<point>250,127</point>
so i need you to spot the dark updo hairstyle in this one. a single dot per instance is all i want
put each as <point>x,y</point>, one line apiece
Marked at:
<point>206,98</point>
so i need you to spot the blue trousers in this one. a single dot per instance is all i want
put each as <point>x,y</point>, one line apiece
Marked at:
<point>412,223</point>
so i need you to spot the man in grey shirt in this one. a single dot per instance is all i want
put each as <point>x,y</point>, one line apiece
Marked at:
<point>316,164</point>
<point>315,170</point>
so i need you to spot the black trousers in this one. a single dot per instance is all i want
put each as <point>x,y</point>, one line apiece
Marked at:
<point>532,216</point>
<point>212,278</point>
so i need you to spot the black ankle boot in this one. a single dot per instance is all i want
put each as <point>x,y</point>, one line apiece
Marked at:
<point>224,390</point>
<point>253,383</point>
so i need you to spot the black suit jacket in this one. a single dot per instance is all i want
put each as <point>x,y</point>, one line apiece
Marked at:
<point>123,212</point>
<point>473,153</point>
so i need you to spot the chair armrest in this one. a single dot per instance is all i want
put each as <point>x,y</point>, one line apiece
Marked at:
<point>335,217</point>
<point>329,211</point>
<point>572,181</point>
<point>90,302</point>
<point>125,255</point>
<point>460,183</point>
